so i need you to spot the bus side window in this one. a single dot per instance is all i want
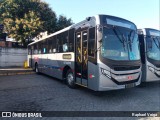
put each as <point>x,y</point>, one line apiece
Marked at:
<point>42,44</point>
<point>71,40</point>
<point>54,44</point>
<point>142,48</point>
<point>35,48</point>
<point>61,42</point>
<point>50,45</point>
<point>29,50</point>
<point>32,48</point>
<point>58,43</point>
<point>65,41</point>
<point>40,47</point>
<point>44,47</point>
<point>91,42</point>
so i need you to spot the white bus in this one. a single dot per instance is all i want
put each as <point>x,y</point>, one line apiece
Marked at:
<point>100,53</point>
<point>150,54</point>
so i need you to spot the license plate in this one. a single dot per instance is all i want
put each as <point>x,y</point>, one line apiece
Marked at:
<point>130,85</point>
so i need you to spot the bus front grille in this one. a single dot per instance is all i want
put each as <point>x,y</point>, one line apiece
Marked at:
<point>124,68</point>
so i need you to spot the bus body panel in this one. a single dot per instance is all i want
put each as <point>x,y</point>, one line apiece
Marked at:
<point>100,76</point>
<point>108,76</point>
<point>151,76</point>
<point>52,64</point>
<point>149,71</point>
<point>93,76</point>
<point>144,72</point>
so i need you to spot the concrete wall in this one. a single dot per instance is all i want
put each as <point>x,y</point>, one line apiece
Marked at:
<point>12,57</point>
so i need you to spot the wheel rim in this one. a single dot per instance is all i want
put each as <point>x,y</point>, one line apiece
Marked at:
<point>70,78</point>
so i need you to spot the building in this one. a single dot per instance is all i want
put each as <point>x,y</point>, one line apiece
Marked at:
<point>5,43</point>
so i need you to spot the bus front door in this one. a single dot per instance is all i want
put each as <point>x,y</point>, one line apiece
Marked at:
<point>81,68</point>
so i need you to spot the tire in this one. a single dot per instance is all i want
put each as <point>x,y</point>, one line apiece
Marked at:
<point>70,79</point>
<point>36,69</point>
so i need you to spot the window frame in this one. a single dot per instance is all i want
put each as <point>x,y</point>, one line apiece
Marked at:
<point>93,59</point>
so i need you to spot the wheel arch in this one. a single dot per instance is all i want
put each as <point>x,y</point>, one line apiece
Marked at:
<point>65,69</point>
<point>36,63</point>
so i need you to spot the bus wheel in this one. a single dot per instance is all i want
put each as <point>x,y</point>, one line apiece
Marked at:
<point>36,69</point>
<point>70,79</point>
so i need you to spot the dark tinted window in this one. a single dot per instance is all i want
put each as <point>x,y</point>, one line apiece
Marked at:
<point>62,43</point>
<point>29,50</point>
<point>142,48</point>
<point>65,43</point>
<point>32,49</point>
<point>54,43</point>
<point>40,47</point>
<point>50,47</point>
<point>59,42</point>
<point>36,47</point>
<point>71,40</point>
<point>91,42</point>
<point>44,46</point>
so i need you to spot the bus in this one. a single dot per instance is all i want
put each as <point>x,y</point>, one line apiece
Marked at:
<point>150,54</point>
<point>100,53</point>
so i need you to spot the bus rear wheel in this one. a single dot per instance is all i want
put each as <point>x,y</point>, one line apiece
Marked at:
<point>70,79</point>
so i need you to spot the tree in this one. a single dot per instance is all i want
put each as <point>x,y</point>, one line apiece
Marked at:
<point>25,19</point>
<point>63,22</point>
<point>25,28</point>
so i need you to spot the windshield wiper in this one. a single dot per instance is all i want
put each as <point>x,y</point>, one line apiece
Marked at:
<point>158,39</point>
<point>154,40</point>
<point>129,39</point>
<point>123,40</point>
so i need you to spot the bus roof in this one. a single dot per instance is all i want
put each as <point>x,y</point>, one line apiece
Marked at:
<point>147,31</point>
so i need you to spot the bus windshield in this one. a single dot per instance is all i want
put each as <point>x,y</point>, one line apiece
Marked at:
<point>120,43</point>
<point>153,47</point>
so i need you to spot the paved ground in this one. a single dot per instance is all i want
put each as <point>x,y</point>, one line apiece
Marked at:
<point>43,93</point>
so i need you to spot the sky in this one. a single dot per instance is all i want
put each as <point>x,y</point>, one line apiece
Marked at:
<point>144,13</point>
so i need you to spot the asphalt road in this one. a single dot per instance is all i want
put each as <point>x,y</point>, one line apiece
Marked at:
<point>42,93</point>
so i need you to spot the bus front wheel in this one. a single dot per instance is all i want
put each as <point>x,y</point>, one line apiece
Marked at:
<point>70,79</point>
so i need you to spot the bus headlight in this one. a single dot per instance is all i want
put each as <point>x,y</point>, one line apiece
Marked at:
<point>106,73</point>
<point>151,69</point>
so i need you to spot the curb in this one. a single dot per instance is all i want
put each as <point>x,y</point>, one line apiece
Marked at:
<point>17,73</point>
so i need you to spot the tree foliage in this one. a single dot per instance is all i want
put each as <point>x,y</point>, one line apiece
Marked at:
<point>25,19</point>
<point>63,22</point>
